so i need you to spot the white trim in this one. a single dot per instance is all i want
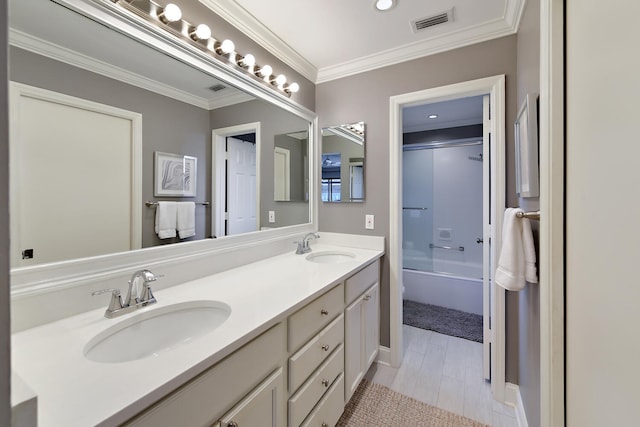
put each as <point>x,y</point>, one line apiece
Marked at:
<point>18,91</point>
<point>552,370</point>
<point>218,176</point>
<point>244,21</point>
<point>286,154</point>
<point>514,398</point>
<point>384,356</point>
<point>451,40</point>
<point>495,87</point>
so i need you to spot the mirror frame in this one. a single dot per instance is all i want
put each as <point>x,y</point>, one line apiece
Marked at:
<point>45,278</point>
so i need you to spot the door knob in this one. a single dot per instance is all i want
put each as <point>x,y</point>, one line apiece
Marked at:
<point>479,240</point>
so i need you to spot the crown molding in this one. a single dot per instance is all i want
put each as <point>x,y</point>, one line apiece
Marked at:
<point>244,21</point>
<point>62,54</point>
<point>449,41</point>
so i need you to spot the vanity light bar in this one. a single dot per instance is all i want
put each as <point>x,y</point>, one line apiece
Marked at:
<point>169,18</point>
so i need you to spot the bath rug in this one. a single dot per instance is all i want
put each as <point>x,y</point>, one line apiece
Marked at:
<point>374,405</point>
<point>444,320</point>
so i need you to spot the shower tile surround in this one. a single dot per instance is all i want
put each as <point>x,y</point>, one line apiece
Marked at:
<point>260,294</point>
<point>445,372</point>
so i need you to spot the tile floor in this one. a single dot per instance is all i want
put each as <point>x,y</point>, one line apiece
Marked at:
<point>445,372</point>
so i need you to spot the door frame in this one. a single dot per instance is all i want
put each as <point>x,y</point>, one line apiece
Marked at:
<point>494,87</point>
<point>219,173</point>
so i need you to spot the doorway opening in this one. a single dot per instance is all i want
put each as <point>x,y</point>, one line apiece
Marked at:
<point>491,91</point>
<point>236,177</point>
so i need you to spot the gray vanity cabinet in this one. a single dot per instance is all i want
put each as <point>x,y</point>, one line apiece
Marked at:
<point>362,325</point>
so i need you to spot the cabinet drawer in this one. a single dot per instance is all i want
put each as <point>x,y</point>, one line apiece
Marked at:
<point>203,400</point>
<point>307,321</point>
<point>316,386</point>
<point>330,408</point>
<point>359,282</point>
<point>309,357</point>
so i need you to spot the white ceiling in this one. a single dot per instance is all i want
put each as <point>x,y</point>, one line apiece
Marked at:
<point>458,112</point>
<point>329,39</point>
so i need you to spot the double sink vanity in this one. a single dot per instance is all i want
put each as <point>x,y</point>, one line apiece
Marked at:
<point>281,341</point>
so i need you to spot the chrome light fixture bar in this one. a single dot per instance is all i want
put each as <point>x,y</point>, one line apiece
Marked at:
<point>169,18</point>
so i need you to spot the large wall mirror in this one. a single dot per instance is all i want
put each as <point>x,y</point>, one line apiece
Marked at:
<point>104,95</point>
<point>343,163</point>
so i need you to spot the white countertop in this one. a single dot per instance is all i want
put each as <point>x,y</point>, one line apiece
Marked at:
<point>74,391</point>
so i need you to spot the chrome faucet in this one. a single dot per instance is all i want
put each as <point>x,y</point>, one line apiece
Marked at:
<point>135,299</point>
<point>303,245</point>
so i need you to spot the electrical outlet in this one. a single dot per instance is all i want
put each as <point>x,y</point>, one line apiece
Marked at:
<point>368,222</point>
<point>272,216</point>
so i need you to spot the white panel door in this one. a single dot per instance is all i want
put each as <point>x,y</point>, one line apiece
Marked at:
<point>282,174</point>
<point>241,187</point>
<point>72,181</point>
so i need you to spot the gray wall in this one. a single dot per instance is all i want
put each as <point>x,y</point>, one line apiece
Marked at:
<point>5,337</point>
<point>273,121</point>
<point>167,125</point>
<point>529,298</point>
<point>366,97</point>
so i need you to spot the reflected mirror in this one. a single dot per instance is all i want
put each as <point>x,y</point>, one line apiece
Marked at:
<point>291,167</point>
<point>104,104</point>
<point>343,163</point>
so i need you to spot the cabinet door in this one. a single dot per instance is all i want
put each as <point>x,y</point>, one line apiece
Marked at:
<point>354,346</point>
<point>371,326</point>
<point>262,407</point>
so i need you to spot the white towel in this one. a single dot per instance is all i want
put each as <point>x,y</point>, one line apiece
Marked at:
<point>166,217</point>
<point>186,219</point>
<point>517,263</point>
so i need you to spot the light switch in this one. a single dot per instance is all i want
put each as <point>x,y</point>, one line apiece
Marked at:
<point>368,222</point>
<point>272,216</point>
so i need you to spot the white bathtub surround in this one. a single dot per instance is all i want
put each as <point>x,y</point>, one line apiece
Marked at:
<point>459,293</point>
<point>75,391</point>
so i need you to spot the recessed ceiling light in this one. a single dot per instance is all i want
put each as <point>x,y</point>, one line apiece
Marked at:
<point>383,5</point>
<point>433,116</point>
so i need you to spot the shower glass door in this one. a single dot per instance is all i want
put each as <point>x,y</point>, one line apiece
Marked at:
<point>442,212</point>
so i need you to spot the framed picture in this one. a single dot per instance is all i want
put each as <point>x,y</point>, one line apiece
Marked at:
<point>526,133</point>
<point>175,175</point>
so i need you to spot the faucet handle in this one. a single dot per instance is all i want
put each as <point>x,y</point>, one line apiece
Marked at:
<point>146,296</point>
<point>300,249</point>
<point>116,299</point>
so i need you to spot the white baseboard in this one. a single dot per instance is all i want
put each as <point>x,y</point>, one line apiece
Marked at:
<point>514,398</point>
<point>384,356</point>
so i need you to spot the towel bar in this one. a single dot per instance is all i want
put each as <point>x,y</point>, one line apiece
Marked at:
<point>531,215</point>
<point>155,204</point>
<point>452,248</point>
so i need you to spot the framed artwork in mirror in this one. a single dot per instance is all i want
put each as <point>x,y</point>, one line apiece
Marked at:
<point>175,175</point>
<point>526,144</point>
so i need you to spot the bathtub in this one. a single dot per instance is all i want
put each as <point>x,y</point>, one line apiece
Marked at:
<point>461,291</point>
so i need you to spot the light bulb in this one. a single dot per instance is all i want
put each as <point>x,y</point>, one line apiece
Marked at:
<point>226,46</point>
<point>293,87</point>
<point>281,79</point>
<point>247,61</point>
<point>384,4</point>
<point>202,32</point>
<point>265,71</point>
<point>170,13</point>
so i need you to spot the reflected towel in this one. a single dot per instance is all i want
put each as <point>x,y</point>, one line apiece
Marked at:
<point>166,217</point>
<point>517,262</point>
<point>186,219</point>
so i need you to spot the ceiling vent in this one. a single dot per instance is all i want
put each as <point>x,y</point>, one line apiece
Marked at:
<point>431,21</point>
<point>218,87</point>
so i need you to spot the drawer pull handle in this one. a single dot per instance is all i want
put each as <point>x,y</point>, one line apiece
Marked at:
<point>232,424</point>
<point>367,297</point>
<point>324,312</point>
<point>325,383</point>
<point>325,347</point>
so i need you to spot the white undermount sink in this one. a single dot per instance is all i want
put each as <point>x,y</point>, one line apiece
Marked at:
<point>156,331</point>
<point>330,257</point>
